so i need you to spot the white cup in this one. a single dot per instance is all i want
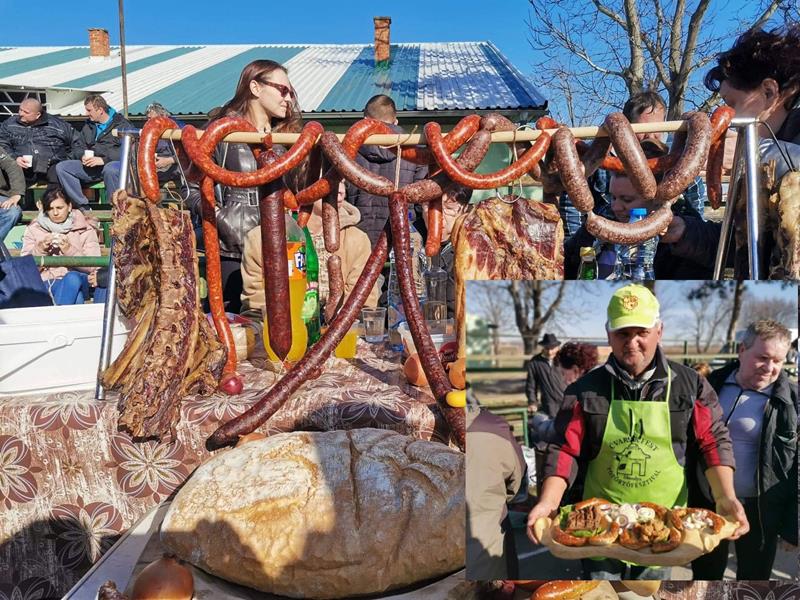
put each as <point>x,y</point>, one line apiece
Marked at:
<point>28,159</point>
<point>88,154</point>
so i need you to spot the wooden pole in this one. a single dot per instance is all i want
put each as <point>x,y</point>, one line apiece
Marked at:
<point>414,139</point>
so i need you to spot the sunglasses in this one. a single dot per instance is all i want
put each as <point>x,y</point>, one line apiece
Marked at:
<point>282,89</point>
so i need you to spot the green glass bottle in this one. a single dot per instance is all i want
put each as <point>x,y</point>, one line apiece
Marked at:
<point>588,268</point>
<point>310,311</point>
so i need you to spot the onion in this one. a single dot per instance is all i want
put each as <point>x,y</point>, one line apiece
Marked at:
<point>164,579</point>
<point>231,384</point>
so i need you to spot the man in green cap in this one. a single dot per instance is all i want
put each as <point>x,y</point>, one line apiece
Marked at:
<point>627,428</point>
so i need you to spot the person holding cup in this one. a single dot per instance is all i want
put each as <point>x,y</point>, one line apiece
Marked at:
<point>61,231</point>
<point>37,141</point>
<point>100,154</point>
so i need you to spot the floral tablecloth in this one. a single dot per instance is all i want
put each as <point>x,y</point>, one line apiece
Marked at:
<point>71,484</point>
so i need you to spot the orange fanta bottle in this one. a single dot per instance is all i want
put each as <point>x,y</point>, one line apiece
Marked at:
<point>296,257</point>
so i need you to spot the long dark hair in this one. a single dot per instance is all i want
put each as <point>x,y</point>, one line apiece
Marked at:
<point>758,55</point>
<point>259,70</point>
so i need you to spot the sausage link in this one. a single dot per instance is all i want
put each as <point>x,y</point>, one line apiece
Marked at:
<point>429,357</point>
<point>214,274</point>
<point>146,159</point>
<point>435,217</point>
<point>275,267</point>
<point>692,160</point>
<point>631,154</point>
<point>433,133</point>
<point>330,221</point>
<point>353,140</point>
<point>547,173</point>
<point>629,233</point>
<point>304,214</point>
<point>335,287</point>
<point>456,138</point>
<point>438,183</point>
<point>313,360</point>
<point>356,174</point>
<point>289,160</point>
<point>570,170</point>
<point>720,121</point>
<point>595,154</point>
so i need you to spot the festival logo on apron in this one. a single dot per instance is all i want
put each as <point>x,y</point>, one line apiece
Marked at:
<point>629,467</point>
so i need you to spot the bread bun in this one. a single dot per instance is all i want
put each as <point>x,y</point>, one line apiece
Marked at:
<point>642,588</point>
<point>323,515</point>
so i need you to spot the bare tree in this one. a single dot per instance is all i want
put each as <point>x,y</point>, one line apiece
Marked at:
<point>535,303</point>
<point>779,309</point>
<point>713,303</point>
<point>490,299</point>
<point>603,51</point>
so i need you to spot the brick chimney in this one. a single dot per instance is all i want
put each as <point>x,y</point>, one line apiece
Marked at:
<point>98,43</point>
<point>382,39</point>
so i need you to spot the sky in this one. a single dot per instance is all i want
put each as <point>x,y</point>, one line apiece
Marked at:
<point>57,22</point>
<point>595,298</point>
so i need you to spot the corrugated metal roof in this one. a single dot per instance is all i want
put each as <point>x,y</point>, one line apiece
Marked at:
<point>328,77</point>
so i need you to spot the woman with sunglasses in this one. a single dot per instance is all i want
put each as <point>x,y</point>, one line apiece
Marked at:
<point>265,97</point>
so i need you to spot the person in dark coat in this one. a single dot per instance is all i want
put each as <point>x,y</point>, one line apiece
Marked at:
<point>383,161</point>
<point>544,386</point>
<point>668,264</point>
<point>759,406</point>
<point>104,148</point>
<point>12,189</point>
<point>759,77</point>
<point>47,138</point>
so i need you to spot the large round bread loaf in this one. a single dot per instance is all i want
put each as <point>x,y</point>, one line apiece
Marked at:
<point>323,515</point>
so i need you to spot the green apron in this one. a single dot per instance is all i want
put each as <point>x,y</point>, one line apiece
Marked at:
<point>636,462</point>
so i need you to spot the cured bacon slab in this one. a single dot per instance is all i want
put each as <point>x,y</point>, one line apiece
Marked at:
<point>501,238</point>
<point>172,351</point>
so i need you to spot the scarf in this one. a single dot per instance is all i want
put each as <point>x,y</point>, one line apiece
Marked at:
<point>48,225</point>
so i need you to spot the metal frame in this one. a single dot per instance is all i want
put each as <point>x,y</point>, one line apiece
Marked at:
<point>109,314</point>
<point>745,171</point>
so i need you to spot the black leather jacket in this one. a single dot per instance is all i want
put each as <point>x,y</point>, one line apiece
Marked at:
<point>237,208</point>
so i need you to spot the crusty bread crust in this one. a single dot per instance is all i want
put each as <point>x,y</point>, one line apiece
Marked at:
<point>323,515</point>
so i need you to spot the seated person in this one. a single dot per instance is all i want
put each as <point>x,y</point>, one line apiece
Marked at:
<point>668,263</point>
<point>12,189</point>
<point>105,148</point>
<point>354,250</point>
<point>46,138</point>
<point>61,231</point>
<point>166,158</point>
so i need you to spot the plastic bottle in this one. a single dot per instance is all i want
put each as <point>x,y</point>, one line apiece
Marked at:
<point>311,303</point>
<point>588,270</point>
<point>396,313</point>
<point>435,295</point>
<point>636,262</point>
<point>296,257</point>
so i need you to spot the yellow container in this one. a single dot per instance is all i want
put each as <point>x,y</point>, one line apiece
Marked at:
<point>297,294</point>
<point>347,347</point>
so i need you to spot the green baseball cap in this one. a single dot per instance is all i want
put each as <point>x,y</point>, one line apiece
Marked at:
<point>632,306</point>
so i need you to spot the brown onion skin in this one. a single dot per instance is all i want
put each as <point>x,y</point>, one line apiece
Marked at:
<point>164,579</point>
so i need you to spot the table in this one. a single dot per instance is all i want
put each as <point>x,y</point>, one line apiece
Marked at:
<point>71,484</point>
